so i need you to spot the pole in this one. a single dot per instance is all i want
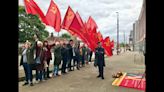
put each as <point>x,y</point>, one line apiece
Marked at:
<point>117,32</point>
<point>124,41</point>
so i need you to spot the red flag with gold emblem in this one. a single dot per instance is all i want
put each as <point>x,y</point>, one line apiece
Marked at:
<point>79,19</point>
<point>107,46</point>
<point>83,32</point>
<point>99,36</point>
<point>53,16</point>
<point>68,18</point>
<point>91,27</point>
<point>91,24</point>
<point>77,27</point>
<point>32,8</point>
<point>87,36</point>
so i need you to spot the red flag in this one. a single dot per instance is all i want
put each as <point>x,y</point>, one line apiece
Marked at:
<point>87,36</point>
<point>69,16</point>
<point>83,32</point>
<point>91,27</point>
<point>79,19</point>
<point>53,16</point>
<point>32,8</point>
<point>100,37</point>
<point>90,36</point>
<point>91,24</point>
<point>77,27</point>
<point>107,46</point>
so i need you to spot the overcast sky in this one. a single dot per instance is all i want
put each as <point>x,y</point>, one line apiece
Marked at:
<point>102,11</point>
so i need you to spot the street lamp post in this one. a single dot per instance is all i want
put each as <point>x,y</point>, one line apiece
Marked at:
<point>124,41</point>
<point>117,32</point>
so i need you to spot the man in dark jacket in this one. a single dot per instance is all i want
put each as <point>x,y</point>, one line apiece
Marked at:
<point>99,57</point>
<point>70,54</point>
<point>84,49</point>
<point>76,55</point>
<point>64,53</point>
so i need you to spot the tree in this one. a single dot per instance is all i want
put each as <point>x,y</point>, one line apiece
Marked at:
<point>65,35</point>
<point>30,25</point>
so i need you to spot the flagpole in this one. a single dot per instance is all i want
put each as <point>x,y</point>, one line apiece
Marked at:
<point>117,32</point>
<point>124,41</point>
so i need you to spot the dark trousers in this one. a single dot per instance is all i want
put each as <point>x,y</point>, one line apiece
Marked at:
<point>76,60</point>
<point>101,70</point>
<point>45,73</point>
<point>69,63</point>
<point>28,72</point>
<point>90,57</point>
<point>39,74</point>
<point>64,64</point>
<point>83,59</point>
<point>48,71</point>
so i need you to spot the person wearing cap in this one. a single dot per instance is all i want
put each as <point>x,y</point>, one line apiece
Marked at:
<point>99,57</point>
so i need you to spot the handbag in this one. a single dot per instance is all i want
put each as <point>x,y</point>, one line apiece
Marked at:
<point>37,59</point>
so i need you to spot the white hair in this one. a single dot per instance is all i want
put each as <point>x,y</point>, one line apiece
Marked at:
<point>57,43</point>
<point>39,42</point>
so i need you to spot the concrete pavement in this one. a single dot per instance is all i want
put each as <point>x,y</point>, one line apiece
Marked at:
<point>84,80</point>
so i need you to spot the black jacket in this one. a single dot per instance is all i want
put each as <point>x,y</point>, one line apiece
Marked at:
<point>64,53</point>
<point>70,52</point>
<point>99,56</point>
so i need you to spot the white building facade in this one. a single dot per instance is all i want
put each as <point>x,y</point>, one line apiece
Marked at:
<point>139,30</point>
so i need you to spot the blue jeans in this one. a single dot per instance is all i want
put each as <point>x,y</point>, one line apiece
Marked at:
<point>76,59</point>
<point>39,75</point>
<point>56,69</point>
<point>28,72</point>
<point>83,59</point>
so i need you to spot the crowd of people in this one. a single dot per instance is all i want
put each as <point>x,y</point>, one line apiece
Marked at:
<point>37,55</point>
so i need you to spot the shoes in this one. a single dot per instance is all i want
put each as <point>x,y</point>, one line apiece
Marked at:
<point>26,83</point>
<point>98,76</point>
<point>31,84</point>
<point>70,70</point>
<point>57,74</point>
<point>78,69</point>
<point>64,72</point>
<point>102,78</point>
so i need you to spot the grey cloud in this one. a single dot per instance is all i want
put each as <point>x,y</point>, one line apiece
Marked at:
<point>102,11</point>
